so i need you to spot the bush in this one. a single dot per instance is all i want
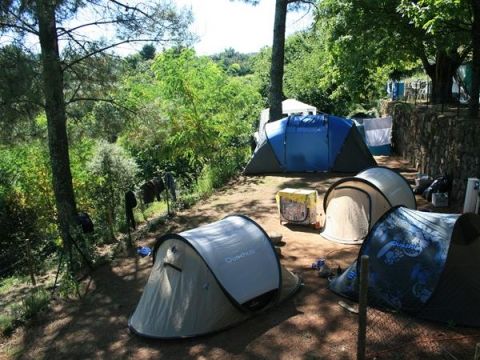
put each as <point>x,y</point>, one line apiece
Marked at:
<point>7,324</point>
<point>112,173</point>
<point>35,303</point>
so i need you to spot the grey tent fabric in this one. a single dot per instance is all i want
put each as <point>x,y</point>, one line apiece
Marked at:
<point>265,161</point>
<point>353,144</point>
<point>422,263</point>
<point>210,278</point>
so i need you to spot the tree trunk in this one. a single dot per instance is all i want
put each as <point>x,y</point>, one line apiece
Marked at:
<point>442,73</point>
<point>56,120</point>
<point>278,54</point>
<point>473,104</point>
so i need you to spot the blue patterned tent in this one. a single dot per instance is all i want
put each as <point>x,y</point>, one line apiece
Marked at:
<point>422,263</point>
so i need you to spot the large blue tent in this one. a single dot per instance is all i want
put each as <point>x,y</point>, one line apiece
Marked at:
<point>310,143</point>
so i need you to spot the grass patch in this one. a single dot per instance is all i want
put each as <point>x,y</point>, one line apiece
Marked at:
<point>7,324</point>
<point>36,302</point>
<point>154,209</point>
<point>9,283</point>
<point>14,351</point>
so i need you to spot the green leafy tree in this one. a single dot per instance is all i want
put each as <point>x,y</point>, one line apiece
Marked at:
<point>148,52</point>
<point>48,21</point>
<point>233,62</point>
<point>455,28</point>
<point>371,34</point>
<point>113,173</point>
<point>20,95</point>
<point>191,115</point>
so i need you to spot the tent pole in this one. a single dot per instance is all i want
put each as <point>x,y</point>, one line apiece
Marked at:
<point>362,308</point>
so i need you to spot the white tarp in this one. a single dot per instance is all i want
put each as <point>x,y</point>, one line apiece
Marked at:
<point>289,107</point>
<point>378,131</point>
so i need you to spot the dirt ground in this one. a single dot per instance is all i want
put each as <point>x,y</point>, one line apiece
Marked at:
<point>311,325</point>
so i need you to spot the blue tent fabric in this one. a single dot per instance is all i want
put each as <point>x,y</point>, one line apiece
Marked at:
<point>308,144</point>
<point>338,129</point>
<point>408,253</point>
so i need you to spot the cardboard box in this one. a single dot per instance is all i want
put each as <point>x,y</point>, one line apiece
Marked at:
<point>297,206</point>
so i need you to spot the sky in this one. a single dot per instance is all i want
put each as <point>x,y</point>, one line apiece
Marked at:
<point>221,24</point>
<point>218,24</point>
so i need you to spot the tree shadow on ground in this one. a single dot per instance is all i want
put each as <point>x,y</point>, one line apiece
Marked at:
<point>310,325</point>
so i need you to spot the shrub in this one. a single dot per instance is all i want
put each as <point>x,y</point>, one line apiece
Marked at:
<point>112,173</point>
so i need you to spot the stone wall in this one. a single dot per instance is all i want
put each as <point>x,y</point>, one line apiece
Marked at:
<point>437,143</point>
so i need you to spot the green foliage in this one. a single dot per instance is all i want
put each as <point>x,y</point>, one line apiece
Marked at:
<point>7,324</point>
<point>26,206</point>
<point>148,52</point>
<point>193,114</point>
<point>233,62</point>
<point>35,303</point>
<point>19,93</point>
<point>112,173</point>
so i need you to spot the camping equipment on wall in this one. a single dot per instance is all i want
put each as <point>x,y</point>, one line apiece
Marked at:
<point>472,196</point>
<point>422,182</point>
<point>440,199</point>
<point>210,278</point>
<point>422,263</point>
<point>441,184</point>
<point>310,143</point>
<point>297,206</point>
<point>352,205</point>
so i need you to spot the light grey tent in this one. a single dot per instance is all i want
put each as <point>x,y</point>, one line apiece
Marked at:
<point>353,205</point>
<point>210,278</point>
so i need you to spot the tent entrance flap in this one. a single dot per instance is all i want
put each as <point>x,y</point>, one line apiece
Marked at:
<point>348,216</point>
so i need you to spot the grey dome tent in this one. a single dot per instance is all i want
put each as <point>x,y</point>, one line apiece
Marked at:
<point>353,205</point>
<point>312,143</point>
<point>210,278</point>
<point>422,263</point>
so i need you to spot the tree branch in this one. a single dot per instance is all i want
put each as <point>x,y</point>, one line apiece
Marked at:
<point>95,23</point>
<point>18,27</point>
<point>130,8</point>
<point>97,51</point>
